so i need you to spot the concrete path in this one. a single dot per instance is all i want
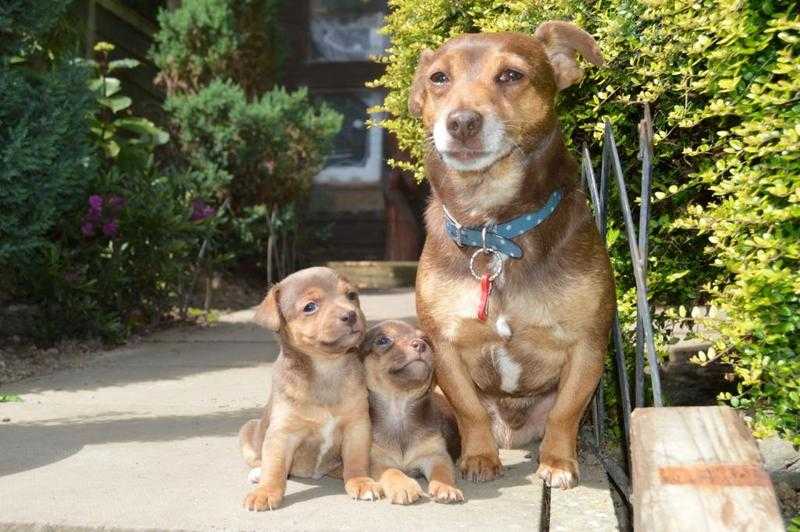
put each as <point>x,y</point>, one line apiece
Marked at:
<point>145,438</point>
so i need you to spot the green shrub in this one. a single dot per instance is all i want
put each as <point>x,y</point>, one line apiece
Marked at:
<point>263,152</point>
<point>208,39</point>
<point>241,140</point>
<point>90,231</point>
<point>722,78</point>
<point>46,157</point>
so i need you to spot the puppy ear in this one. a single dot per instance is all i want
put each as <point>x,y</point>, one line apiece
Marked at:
<point>268,313</point>
<point>416,98</point>
<point>561,41</point>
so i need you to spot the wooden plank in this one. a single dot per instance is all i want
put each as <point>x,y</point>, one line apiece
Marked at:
<point>696,469</point>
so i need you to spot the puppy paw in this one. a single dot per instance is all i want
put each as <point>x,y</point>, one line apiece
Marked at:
<point>481,467</point>
<point>363,489</point>
<point>444,493</point>
<point>403,490</point>
<point>263,498</point>
<point>254,476</point>
<point>558,472</point>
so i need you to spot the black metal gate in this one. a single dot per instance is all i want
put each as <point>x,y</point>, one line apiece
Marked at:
<point>611,170</point>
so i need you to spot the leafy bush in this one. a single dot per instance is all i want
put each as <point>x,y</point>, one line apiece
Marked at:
<point>90,231</point>
<point>722,78</point>
<point>205,40</point>
<point>242,143</point>
<point>264,152</point>
<point>46,157</point>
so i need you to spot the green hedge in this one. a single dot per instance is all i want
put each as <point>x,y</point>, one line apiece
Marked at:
<point>244,141</point>
<point>92,233</point>
<point>723,79</point>
<point>260,152</point>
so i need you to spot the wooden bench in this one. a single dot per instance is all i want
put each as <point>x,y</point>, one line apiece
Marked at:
<point>698,469</point>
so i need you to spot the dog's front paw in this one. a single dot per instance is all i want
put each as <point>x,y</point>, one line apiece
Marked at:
<point>441,492</point>
<point>403,490</point>
<point>363,489</point>
<point>481,467</point>
<point>263,498</point>
<point>558,472</point>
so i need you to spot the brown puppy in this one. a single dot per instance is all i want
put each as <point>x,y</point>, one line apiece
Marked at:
<point>412,427</point>
<point>316,421</point>
<point>528,368</point>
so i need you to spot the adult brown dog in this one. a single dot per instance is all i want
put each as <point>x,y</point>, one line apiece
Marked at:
<point>528,369</point>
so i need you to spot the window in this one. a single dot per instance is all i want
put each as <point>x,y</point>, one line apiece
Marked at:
<point>346,30</point>
<point>344,34</point>
<point>357,154</point>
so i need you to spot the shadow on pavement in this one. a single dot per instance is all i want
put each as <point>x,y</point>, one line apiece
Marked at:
<point>35,444</point>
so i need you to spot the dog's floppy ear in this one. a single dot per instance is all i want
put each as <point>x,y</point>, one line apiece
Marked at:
<point>561,41</point>
<point>268,314</point>
<point>416,98</point>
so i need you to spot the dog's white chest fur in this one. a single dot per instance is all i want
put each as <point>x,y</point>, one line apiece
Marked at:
<point>507,368</point>
<point>328,436</point>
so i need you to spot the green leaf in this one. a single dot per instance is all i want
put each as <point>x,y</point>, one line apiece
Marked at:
<point>143,126</point>
<point>122,63</point>
<point>112,149</point>
<point>10,398</point>
<point>117,103</point>
<point>105,86</point>
<point>677,275</point>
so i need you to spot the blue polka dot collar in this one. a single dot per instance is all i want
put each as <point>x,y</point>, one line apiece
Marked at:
<point>499,237</point>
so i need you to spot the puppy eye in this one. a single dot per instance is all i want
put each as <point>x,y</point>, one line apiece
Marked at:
<point>508,75</point>
<point>352,296</point>
<point>383,341</point>
<point>310,307</point>
<point>439,78</point>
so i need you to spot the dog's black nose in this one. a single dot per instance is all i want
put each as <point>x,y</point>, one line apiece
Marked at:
<point>349,317</point>
<point>463,125</point>
<point>419,345</point>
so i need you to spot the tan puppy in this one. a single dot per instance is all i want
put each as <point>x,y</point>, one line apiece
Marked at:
<point>525,365</point>
<point>316,421</point>
<point>412,427</point>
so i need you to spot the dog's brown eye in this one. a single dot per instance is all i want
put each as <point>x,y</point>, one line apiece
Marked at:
<point>439,78</point>
<point>352,296</point>
<point>383,341</point>
<point>508,75</point>
<point>310,307</point>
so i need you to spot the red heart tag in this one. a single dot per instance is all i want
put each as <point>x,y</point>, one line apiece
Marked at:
<point>486,289</point>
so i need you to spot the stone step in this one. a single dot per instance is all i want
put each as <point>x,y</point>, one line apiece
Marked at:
<point>377,274</point>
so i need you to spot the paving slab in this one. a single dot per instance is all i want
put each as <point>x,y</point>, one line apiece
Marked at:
<point>146,438</point>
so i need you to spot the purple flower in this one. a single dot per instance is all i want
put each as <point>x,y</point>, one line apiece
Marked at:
<point>87,229</point>
<point>110,228</point>
<point>201,210</point>
<point>95,203</point>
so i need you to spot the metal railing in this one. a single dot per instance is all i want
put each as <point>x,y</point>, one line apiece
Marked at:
<point>611,169</point>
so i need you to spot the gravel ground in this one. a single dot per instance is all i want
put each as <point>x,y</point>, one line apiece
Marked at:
<point>20,359</point>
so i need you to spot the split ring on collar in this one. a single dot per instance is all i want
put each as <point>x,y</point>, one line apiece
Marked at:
<point>493,272</point>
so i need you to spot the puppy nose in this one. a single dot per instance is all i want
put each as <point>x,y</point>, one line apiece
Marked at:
<point>463,125</point>
<point>419,346</point>
<point>349,317</point>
